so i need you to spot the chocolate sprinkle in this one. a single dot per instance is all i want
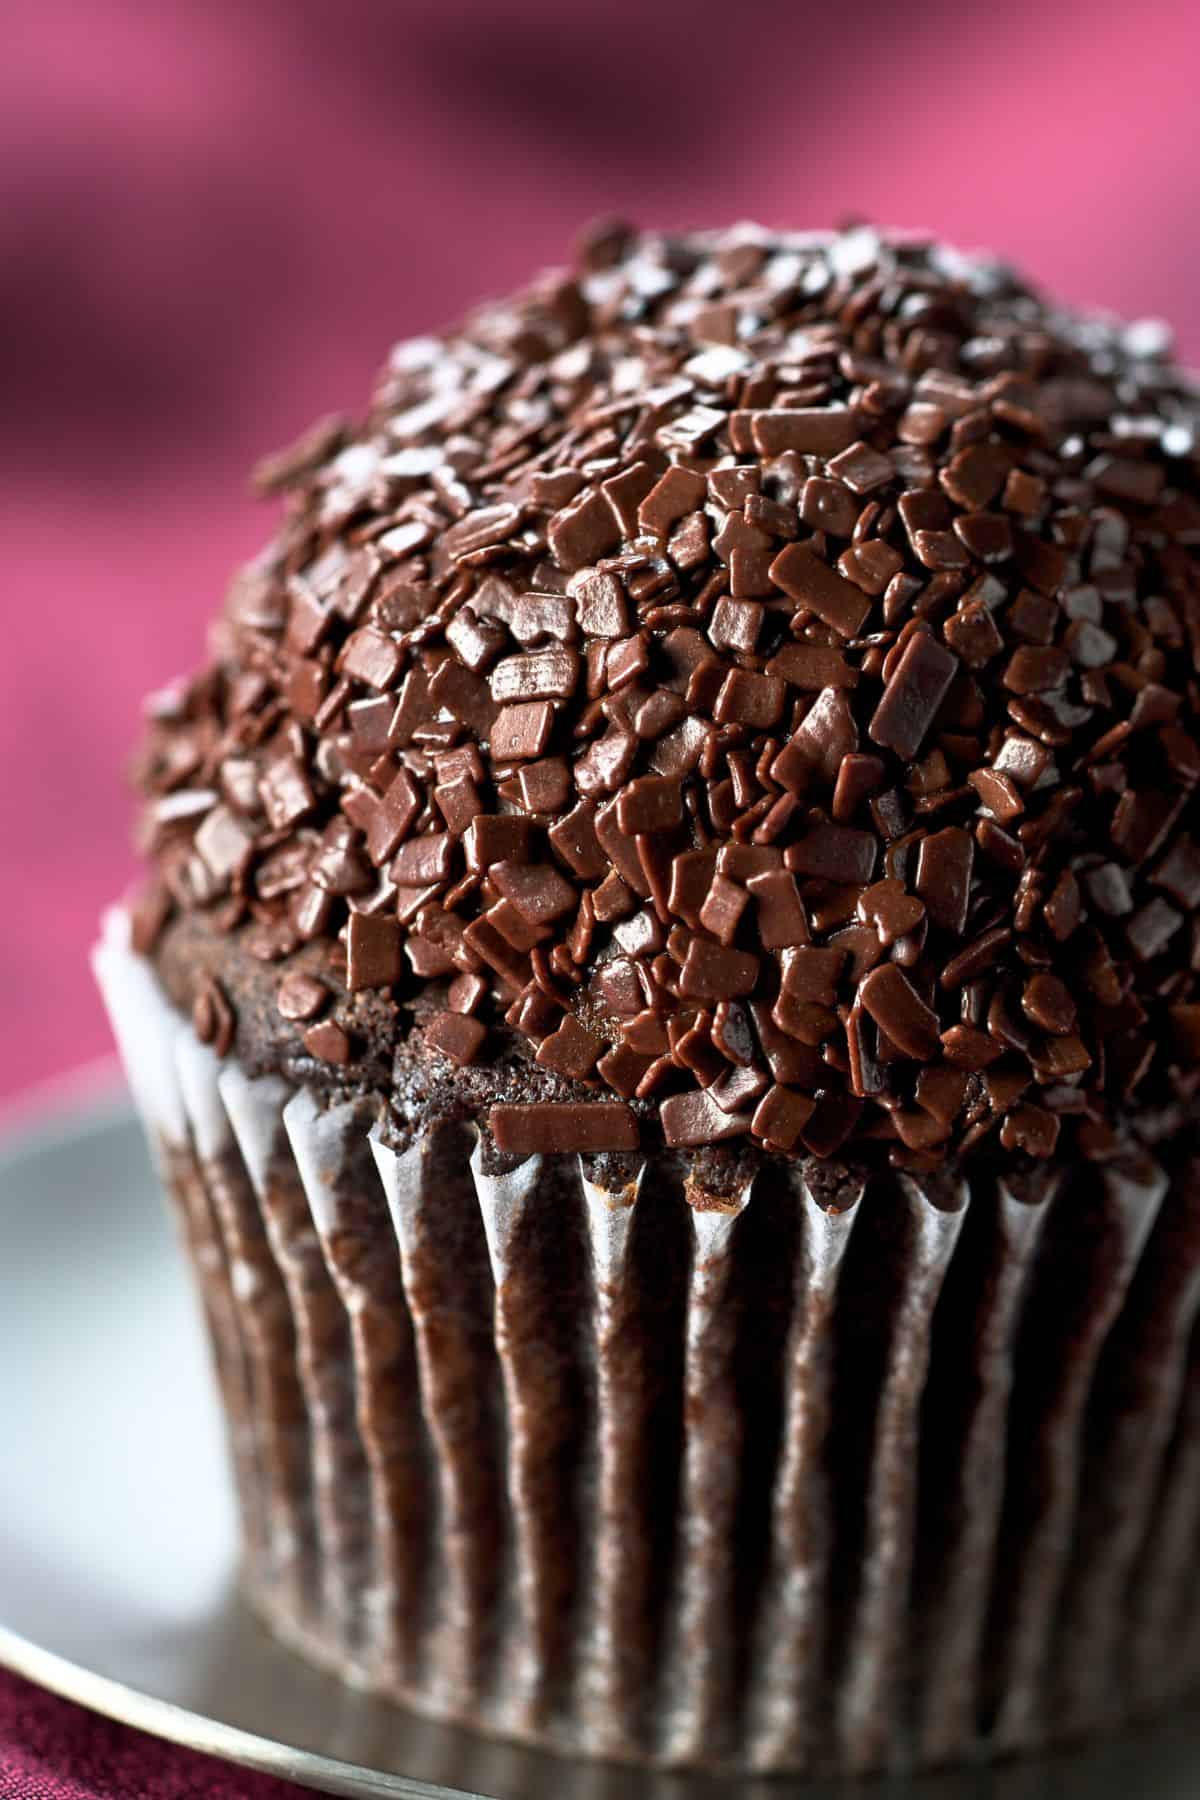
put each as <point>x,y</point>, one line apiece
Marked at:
<point>546,1127</point>
<point>793,732</point>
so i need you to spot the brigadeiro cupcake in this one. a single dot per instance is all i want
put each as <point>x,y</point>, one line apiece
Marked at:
<point>667,1011</point>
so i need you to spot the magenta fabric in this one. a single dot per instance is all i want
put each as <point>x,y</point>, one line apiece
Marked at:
<point>215,217</point>
<point>52,1750</point>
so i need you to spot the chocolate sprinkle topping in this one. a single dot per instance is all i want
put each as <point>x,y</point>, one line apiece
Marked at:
<point>791,730</point>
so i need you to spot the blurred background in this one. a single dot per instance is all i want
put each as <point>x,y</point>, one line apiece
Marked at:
<point>216,216</point>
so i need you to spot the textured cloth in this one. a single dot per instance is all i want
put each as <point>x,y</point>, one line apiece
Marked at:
<point>52,1750</point>
<point>213,229</point>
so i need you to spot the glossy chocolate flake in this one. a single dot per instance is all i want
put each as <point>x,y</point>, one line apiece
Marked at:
<point>546,1127</point>
<point>754,674</point>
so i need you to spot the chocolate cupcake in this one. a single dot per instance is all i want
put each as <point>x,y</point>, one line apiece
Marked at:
<point>667,1007</point>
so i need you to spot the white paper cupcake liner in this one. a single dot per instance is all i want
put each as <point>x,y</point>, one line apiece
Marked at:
<point>824,1478</point>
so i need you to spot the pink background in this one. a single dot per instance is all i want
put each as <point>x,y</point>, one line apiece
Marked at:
<point>216,216</point>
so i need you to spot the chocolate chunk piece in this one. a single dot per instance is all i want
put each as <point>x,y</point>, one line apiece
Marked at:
<point>1036,669</point>
<point>998,793</point>
<point>424,860</point>
<point>890,910</point>
<point>968,1048</point>
<point>551,1128</point>
<point>689,1120</point>
<point>373,951</point>
<point>715,972</point>
<point>828,506</point>
<point>571,1051</point>
<point>943,878</point>
<point>780,922</point>
<point>651,803</point>
<point>978,955</point>
<point>804,578</point>
<point>286,792</point>
<point>870,566</point>
<point>723,907</point>
<point>541,675</point>
<point>676,493</point>
<point>735,624</point>
<point>456,1036</point>
<point>972,634</point>
<point>813,430</point>
<point>899,1011</point>
<point>811,974</point>
<point>861,468</point>
<point>372,657</point>
<point>781,1116</point>
<point>300,997</point>
<point>738,1090</point>
<point>976,475</point>
<point>522,732</point>
<point>574,840</point>
<point>537,890</point>
<point>226,844</point>
<point>911,699</point>
<point>834,853</point>
<point>812,667</point>
<point>1030,1128</point>
<point>582,532</point>
<point>328,1042</point>
<point>748,699</point>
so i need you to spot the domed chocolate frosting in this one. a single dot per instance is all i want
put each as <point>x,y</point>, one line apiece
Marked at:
<point>755,672</point>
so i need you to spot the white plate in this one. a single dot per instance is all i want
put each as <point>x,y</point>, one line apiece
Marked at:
<point>117,1532</point>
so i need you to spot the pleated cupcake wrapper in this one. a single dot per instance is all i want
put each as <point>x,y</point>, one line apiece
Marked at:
<point>763,1486</point>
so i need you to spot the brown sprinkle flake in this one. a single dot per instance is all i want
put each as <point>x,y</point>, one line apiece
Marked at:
<point>651,803</point>
<point>890,910</point>
<point>328,1042</point>
<point>213,1018</point>
<point>913,695</point>
<point>373,951</point>
<point>692,1119</point>
<point>998,793</point>
<point>861,468</point>
<point>300,997</point>
<point>1034,670</point>
<point>678,492</point>
<point>456,1035</point>
<point>968,1048</point>
<point>870,566</point>
<point>781,1116</point>
<point>551,1128</point>
<point>1030,1128</point>
<point>804,578</point>
<point>149,916</point>
<point>812,430</point>
<point>723,907</point>
<point>943,878</point>
<point>780,921</point>
<point>713,972</point>
<point>899,1011</point>
<point>1047,1001</point>
<point>570,1051</point>
<point>812,667</point>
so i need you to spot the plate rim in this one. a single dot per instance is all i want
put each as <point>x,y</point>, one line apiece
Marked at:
<point>66,1108</point>
<point>197,1731</point>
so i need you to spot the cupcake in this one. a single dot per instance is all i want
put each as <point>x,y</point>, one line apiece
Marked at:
<point>667,1010</point>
